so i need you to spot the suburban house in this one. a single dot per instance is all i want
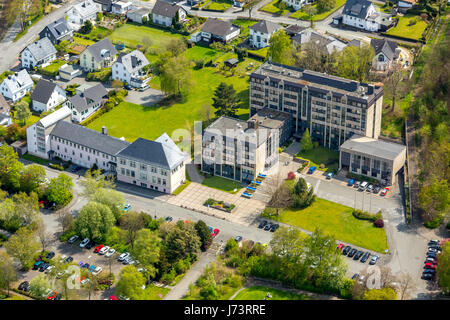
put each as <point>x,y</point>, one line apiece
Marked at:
<point>79,13</point>
<point>5,116</point>
<point>138,15</point>
<point>163,13</point>
<point>372,158</point>
<point>100,55</point>
<point>69,71</point>
<point>293,29</point>
<point>326,44</point>
<point>104,5</point>
<point>87,100</point>
<point>404,5</point>
<point>216,30</point>
<point>14,87</point>
<point>38,133</point>
<point>57,31</point>
<point>261,32</point>
<point>46,96</point>
<point>129,68</point>
<point>121,7</point>
<point>84,147</point>
<point>157,165</point>
<point>362,14</point>
<point>39,53</point>
<point>386,52</point>
<point>240,150</point>
<point>297,4</point>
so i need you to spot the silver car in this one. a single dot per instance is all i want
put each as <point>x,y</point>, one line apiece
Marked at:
<point>84,242</point>
<point>123,256</point>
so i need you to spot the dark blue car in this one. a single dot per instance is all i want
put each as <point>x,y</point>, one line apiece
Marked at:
<point>312,169</point>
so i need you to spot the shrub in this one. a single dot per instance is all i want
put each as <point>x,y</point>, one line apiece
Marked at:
<point>363,215</point>
<point>56,166</point>
<point>291,176</point>
<point>432,224</point>
<point>379,223</point>
<point>209,202</point>
<point>322,166</point>
<point>67,235</point>
<point>199,64</point>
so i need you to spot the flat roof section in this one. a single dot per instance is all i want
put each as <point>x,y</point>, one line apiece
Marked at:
<point>378,148</point>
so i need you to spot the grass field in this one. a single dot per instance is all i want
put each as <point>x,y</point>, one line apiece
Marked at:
<point>337,220</point>
<point>200,52</point>
<point>402,29</point>
<point>54,66</point>
<point>218,5</point>
<point>223,184</point>
<point>317,156</point>
<point>260,52</point>
<point>318,17</point>
<point>260,292</point>
<point>273,8</point>
<point>154,293</point>
<point>244,24</point>
<point>183,186</point>
<point>82,41</point>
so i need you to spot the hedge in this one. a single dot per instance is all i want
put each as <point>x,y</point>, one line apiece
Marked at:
<point>56,166</point>
<point>363,215</point>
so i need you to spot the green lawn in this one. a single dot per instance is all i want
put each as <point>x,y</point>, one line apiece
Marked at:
<point>402,29</point>
<point>273,8</point>
<point>318,17</point>
<point>200,52</point>
<point>218,5</point>
<point>319,155</point>
<point>260,52</point>
<point>131,35</point>
<point>82,41</point>
<point>153,292</point>
<point>54,66</point>
<point>32,158</point>
<point>244,24</point>
<point>222,184</point>
<point>337,220</point>
<point>183,186</point>
<point>260,292</point>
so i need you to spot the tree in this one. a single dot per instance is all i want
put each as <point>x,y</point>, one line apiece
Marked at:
<point>66,219</point>
<point>311,12</point>
<point>19,210</point>
<point>181,241</point>
<point>225,100</point>
<point>116,84</point>
<point>94,221</point>
<point>87,27</point>
<point>325,5</point>
<point>205,112</point>
<point>43,236</point>
<point>287,243</point>
<point>111,198</point>
<point>146,43</point>
<point>176,75</point>
<point>59,190</point>
<point>62,47</point>
<point>280,49</point>
<point>146,250</point>
<point>204,234</point>
<point>250,4</point>
<point>380,294</point>
<point>99,16</point>
<point>278,192</point>
<point>394,80</point>
<point>306,142</point>
<point>94,181</point>
<point>131,222</point>
<point>7,272</point>
<point>22,246</point>
<point>39,286</point>
<point>130,283</point>
<point>406,285</point>
<point>443,268</point>
<point>31,178</point>
<point>301,195</point>
<point>176,46</point>
<point>355,63</point>
<point>434,198</point>
<point>10,168</point>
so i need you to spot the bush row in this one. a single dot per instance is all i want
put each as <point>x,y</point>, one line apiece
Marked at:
<point>363,215</point>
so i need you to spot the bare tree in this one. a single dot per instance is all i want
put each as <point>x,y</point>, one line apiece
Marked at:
<point>206,111</point>
<point>65,219</point>
<point>146,43</point>
<point>279,193</point>
<point>44,236</point>
<point>250,5</point>
<point>406,285</point>
<point>132,222</point>
<point>394,80</point>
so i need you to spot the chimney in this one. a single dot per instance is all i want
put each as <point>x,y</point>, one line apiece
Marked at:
<point>252,124</point>
<point>105,130</point>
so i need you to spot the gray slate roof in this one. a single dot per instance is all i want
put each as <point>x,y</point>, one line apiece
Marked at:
<point>86,8</point>
<point>265,27</point>
<point>165,9</point>
<point>162,152</point>
<point>98,48</point>
<point>133,61</point>
<point>59,28</point>
<point>357,8</point>
<point>18,81</point>
<point>43,91</point>
<point>218,27</point>
<point>384,46</point>
<point>87,98</point>
<point>4,106</point>
<point>88,137</point>
<point>41,49</point>
<point>373,147</point>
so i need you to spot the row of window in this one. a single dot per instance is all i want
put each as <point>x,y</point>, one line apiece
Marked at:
<point>82,148</point>
<point>143,176</point>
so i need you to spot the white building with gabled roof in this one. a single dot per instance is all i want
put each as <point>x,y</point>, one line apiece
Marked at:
<point>16,86</point>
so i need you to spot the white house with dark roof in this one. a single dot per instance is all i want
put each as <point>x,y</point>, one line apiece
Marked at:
<point>164,12</point>
<point>87,100</point>
<point>47,95</point>
<point>57,31</point>
<point>386,53</point>
<point>297,4</point>
<point>157,165</point>
<point>362,14</point>
<point>121,7</point>
<point>15,87</point>
<point>137,15</point>
<point>261,32</point>
<point>38,54</point>
<point>104,5</point>
<point>101,54</point>
<point>216,30</point>
<point>324,43</point>
<point>129,68</point>
<point>79,13</point>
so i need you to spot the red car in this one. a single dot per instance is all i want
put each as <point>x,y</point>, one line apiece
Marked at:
<point>340,246</point>
<point>113,298</point>
<point>215,232</point>
<point>384,192</point>
<point>429,265</point>
<point>98,248</point>
<point>52,295</point>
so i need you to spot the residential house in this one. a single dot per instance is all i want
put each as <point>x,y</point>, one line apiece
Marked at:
<point>38,134</point>
<point>69,71</point>
<point>87,100</point>
<point>404,5</point>
<point>85,147</point>
<point>79,13</point>
<point>121,7</point>
<point>163,13</point>
<point>100,55</point>
<point>326,44</point>
<point>386,53</point>
<point>129,68</point>
<point>46,96</point>
<point>157,165</point>
<point>57,31</point>
<point>104,5</point>
<point>38,54</point>
<point>293,29</point>
<point>261,32</point>
<point>297,4</point>
<point>217,30</point>
<point>14,87</point>
<point>138,15</point>
<point>5,115</point>
<point>362,14</point>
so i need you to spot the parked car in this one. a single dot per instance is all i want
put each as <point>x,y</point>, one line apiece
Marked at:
<point>358,255</point>
<point>126,207</point>
<point>123,256</point>
<point>238,238</point>
<point>75,168</point>
<point>376,189</point>
<point>58,296</point>
<point>434,241</point>
<point>274,227</point>
<point>89,245</point>
<point>97,271</point>
<point>430,265</point>
<point>267,226</point>
<point>356,185</point>
<point>98,248</point>
<point>346,250</point>
<point>262,224</point>
<point>340,246</point>
<point>44,266</point>
<point>355,276</point>
<point>351,182</point>
<point>365,257</point>
<point>430,271</point>
<point>369,188</point>
<point>103,250</point>
<point>72,239</point>
<point>69,259</point>
<point>168,219</point>
<point>128,87</point>
<point>24,286</point>
<point>50,255</point>
<point>85,266</point>
<point>144,87</point>
<point>52,295</point>
<point>433,250</point>
<point>49,269</point>
<point>110,252</point>
<point>37,265</point>
<point>84,242</point>
<point>431,260</point>
<point>384,192</point>
<point>352,253</point>
<point>329,175</point>
<point>435,246</point>
<point>363,185</point>
<point>427,276</point>
<point>374,259</point>
<point>215,232</point>
<point>312,169</point>
<point>431,255</point>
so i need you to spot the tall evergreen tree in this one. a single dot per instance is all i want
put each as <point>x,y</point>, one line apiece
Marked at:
<point>225,100</point>
<point>306,142</point>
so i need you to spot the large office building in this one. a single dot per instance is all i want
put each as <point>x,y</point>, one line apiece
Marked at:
<point>332,108</point>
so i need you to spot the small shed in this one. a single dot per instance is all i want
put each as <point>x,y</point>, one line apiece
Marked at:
<point>231,63</point>
<point>20,147</point>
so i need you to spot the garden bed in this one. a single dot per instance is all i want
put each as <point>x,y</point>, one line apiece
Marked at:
<point>220,205</point>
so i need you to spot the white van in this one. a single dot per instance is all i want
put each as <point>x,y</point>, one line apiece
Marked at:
<point>363,185</point>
